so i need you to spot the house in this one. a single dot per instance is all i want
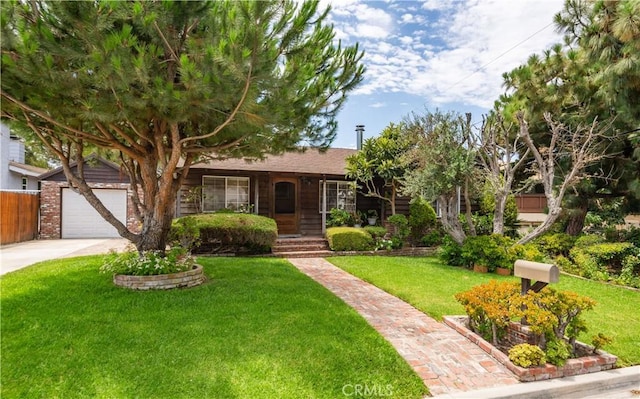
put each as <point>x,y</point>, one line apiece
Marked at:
<point>297,189</point>
<point>15,174</point>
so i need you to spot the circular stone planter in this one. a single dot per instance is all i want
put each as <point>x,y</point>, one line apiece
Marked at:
<point>189,278</point>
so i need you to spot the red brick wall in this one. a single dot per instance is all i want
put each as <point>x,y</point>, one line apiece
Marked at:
<point>50,203</point>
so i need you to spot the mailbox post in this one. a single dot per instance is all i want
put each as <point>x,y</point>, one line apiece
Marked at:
<point>542,273</point>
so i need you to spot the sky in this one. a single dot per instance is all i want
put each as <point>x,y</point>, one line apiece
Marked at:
<point>435,55</point>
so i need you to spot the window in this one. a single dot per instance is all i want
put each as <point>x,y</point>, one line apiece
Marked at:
<point>340,194</point>
<point>225,193</point>
<point>24,183</point>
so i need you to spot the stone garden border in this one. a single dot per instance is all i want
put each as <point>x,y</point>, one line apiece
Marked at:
<point>186,279</point>
<point>582,365</point>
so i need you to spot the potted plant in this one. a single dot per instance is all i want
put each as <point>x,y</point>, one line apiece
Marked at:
<point>372,217</point>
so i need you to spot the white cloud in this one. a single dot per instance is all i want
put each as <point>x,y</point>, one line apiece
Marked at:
<point>459,57</point>
<point>378,105</point>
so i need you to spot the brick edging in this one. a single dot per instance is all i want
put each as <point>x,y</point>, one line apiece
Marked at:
<point>582,365</point>
<point>186,279</point>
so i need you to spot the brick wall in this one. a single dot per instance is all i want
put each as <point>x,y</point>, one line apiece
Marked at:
<point>50,207</point>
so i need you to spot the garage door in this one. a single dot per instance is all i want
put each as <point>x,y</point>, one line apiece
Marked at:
<point>81,220</point>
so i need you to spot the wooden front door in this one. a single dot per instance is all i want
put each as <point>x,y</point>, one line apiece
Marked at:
<point>285,204</point>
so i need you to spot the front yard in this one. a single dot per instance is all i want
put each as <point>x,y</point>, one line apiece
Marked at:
<point>430,286</point>
<point>257,329</point>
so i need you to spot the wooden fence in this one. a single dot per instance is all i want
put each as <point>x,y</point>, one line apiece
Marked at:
<point>18,216</point>
<point>531,203</point>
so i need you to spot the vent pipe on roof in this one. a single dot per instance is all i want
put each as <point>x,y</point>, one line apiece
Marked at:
<point>359,131</point>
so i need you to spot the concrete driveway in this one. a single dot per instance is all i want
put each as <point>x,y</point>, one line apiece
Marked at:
<point>17,256</point>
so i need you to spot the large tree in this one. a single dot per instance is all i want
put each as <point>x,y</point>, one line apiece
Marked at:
<point>166,84</point>
<point>382,158</point>
<point>444,159</point>
<point>594,75</point>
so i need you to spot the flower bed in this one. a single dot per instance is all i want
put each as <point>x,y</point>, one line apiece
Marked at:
<point>583,365</point>
<point>185,279</point>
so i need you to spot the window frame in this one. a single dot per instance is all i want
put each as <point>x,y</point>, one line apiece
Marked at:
<point>226,199</point>
<point>338,182</point>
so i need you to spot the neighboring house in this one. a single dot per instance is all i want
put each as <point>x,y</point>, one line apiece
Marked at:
<point>66,214</point>
<point>288,188</point>
<point>14,173</point>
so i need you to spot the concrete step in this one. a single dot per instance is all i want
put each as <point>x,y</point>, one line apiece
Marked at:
<point>304,254</point>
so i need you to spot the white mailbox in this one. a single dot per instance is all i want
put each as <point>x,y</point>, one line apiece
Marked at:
<point>542,273</point>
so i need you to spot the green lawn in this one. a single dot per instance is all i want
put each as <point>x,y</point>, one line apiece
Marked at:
<point>257,329</point>
<point>430,286</point>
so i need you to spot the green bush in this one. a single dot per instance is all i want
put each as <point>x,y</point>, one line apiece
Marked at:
<point>401,226</point>
<point>376,231</point>
<point>491,251</point>
<point>556,244</point>
<point>528,251</point>
<point>527,355</point>
<point>432,239</point>
<point>422,217</point>
<point>349,239</point>
<point>450,252</point>
<point>588,240</point>
<point>185,233</point>
<point>233,232</point>
<point>340,217</point>
<point>557,352</point>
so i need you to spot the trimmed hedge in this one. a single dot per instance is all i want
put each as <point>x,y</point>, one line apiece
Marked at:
<point>233,232</point>
<point>349,239</point>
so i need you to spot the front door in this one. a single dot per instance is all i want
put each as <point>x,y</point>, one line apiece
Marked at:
<point>285,205</point>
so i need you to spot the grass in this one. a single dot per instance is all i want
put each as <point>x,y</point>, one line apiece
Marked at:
<point>258,329</point>
<point>430,286</point>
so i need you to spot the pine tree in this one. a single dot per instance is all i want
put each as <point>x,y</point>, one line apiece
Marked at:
<point>167,84</point>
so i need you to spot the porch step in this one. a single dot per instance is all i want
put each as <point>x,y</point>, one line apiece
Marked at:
<point>304,254</point>
<point>300,244</point>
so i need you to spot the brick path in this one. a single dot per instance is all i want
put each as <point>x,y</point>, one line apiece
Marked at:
<point>446,361</point>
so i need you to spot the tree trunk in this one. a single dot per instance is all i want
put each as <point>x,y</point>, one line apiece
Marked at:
<point>467,206</point>
<point>449,218</point>
<point>498,213</point>
<point>576,218</point>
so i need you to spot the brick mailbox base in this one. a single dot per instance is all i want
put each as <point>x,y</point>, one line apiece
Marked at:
<point>583,365</point>
<point>190,278</point>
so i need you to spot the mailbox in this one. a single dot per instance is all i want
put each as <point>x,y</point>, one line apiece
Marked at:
<point>542,273</point>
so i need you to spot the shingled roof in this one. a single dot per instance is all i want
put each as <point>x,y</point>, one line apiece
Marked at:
<point>312,161</point>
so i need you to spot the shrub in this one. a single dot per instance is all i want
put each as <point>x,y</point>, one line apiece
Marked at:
<point>588,240</point>
<point>234,232</point>
<point>566,265</point>
<point>598,261</point>
<point>349,239</point>
<point>491,251</point>
<point>450,252</point>
<point>185,233</point>
<point>148,263</point>
<point>432,239</point>
<point>376,231</point>
<point>555,244</point>
<point>599,341</point>
<point>487,306</point>
<point>422,217</point>
<point>401,226</point>
<point>526,355</point>
<point>554,315</point>
<point>557,352</point>
<point>340,217</point>
<point>528,251</point>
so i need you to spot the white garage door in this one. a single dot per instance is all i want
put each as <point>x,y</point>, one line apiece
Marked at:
<point>81,220</point>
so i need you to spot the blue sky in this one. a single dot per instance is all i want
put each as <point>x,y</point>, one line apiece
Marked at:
<point>435,54</point>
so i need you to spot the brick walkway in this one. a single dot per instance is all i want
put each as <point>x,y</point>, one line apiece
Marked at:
<point>446,361</point>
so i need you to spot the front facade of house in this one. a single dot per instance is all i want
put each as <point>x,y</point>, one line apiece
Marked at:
<point>296,189</point>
